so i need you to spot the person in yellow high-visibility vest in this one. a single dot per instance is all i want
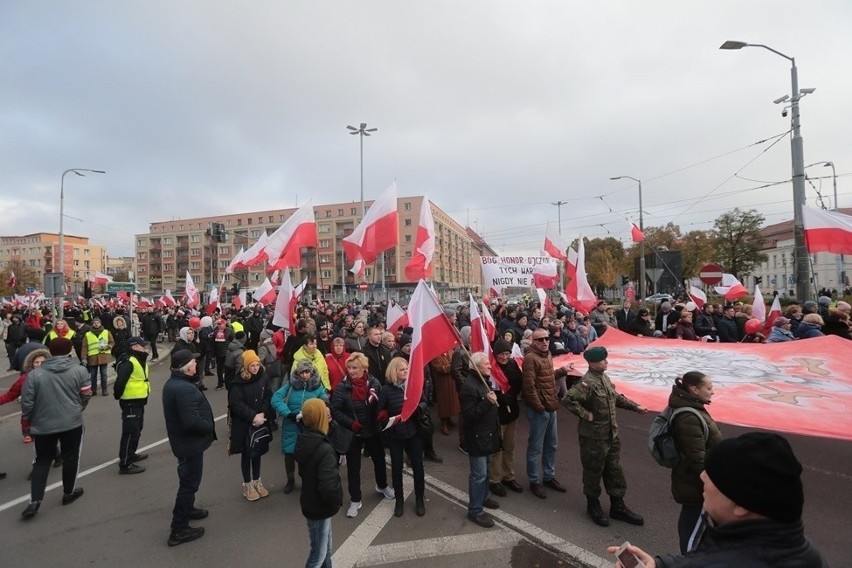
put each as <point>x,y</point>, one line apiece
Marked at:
<point>131,389</point>
<point>98,344</point>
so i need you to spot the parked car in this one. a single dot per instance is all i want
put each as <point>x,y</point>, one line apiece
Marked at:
<point>452,304</point>
<point>659,298</point>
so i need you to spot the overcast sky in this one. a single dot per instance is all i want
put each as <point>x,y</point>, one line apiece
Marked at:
<point>494,108</point>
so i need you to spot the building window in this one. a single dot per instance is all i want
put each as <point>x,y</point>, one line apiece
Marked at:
<point>248,220</point>
<point>224,250</point>
<point>194,265</point>
<point>340,212</point>
<point>281,217</point>
<point>324,243</point>
<point>324,258</point>
<point>270,219</point>
<point>224,263</point>
<point>168,280</point>
<point>408,222</point>
<point>255,234</point>
<point>167,240</point>
<point>141,243</point>
<point>195,252</point>
<point>168,253</point>
<point>325,274</point>
<point>168,266</point>
<point>407,238</point>
<point>353,211</point>
<point>195,238</point>
<point>141,256</point>
<point>406,206</point>
<point>328,213</point>
<point>408,254</point>
<point>239,222</point>
<point>323,229</point>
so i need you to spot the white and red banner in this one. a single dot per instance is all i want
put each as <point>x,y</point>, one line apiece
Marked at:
<point>579,292</point>
<point>284,247</point>
<point>827,231</point>
<point>545,276</point>
<point>500,272</point>
<point>213,304</point>
<point>731,288</point>
<point>191,292</point>
<point>396,317</point>
<point>255,254</point>
<point>236,262</point>
<point>100,278</point>
<point>554,246</point>
<point>285,303</point>
<point>800,387</point>
<point>434,335</point>
<point>12,279</point>
<point>420,265</point>
<point>636,234</point>
<point>758,308</point>
<point>479,342</point>
<point>238,302</point>
<point>265,293</point>
<point>774,313</point>
<point>168,300</point>
<point>697,296</point>
<point>377,232</point>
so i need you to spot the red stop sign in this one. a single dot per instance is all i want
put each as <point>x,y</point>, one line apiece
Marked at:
<point>364,285</point>
<point>710,274</point>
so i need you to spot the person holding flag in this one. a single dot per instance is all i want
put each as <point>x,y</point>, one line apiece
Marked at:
<point>502,470</point>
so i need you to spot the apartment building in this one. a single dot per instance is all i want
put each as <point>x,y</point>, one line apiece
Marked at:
<point>39,253</point>
<point>171,248</point>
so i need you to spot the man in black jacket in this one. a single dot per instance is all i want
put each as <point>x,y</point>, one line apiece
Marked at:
<point>191,430</point>
<point>502,467</point>
<point>150,326</point>
<point>728,326</point>
<point>753,500</point>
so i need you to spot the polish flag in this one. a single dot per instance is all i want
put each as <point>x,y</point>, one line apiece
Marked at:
<point>284,246</point>
<point>100,278</point>
<point>731,288</point>
<point>420,265</point>
<point>123,296</point>
<point>144,302</point>
<point>697,296</point>
<point>396,317</point>
<point>236,262</point>
<point>579,292</point>
<point>433,335</point>
<point>774,313</point>
<point>239,301</point>
<point>255,254</point>
<point>98,303</point>
<point>636,233</point>
<point>12,279</point>
<point>265,293</point>
<point>547,306</point>
<point>554,246</point>
<point>479,342</point>
<point>758,308</point>
<point>214,302</point>
<point>827,231</point>
<point>378,231</point>
<point>571,264</point>
<point>545,276</point>
<point>488,322</point>
<point>191,292</point>
<point>168,300</point>
<point>285,304</point>
<point>358,269</point>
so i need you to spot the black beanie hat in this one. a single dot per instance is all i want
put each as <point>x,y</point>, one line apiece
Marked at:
<point>502,346</point>
<point>758,471</point>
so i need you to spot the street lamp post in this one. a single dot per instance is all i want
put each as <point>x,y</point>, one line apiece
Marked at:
<point>362,131</point>
<point>560,266</point>
<point>641,244</point>
<point>798,162</point>
<point>839,257</point>
<point>78,171</point>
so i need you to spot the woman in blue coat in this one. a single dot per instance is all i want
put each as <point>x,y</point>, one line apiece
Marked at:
<point>304,384</point>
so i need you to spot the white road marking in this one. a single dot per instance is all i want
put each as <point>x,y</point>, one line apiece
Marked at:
<point>436,547</point>
<point>91,470</point>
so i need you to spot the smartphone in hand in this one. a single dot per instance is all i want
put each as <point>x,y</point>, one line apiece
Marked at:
<point>627,558</point>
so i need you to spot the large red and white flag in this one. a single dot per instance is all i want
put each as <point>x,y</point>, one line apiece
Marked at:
<point>100,278</point>
<point>636,234</point>
<point>758,308</point>
<point>12,279</point>
<point>488,321</point>
<point>284,247</point>
<point>191,292</point>
<point>255,254</point>
<point>238,302</point>
<point>545,276</point>
<point>774,313</point>
<point>731,288</point>
<point>396,317</point>
<point>236,262</point>
<point>378,231</point>
<point>579,291</point>
<point>554,246</point>
<point>547,306</point>
<point>285,303</point>
<point>265,293</point>
<point>434,335</point>
<point>571,264</point>
<point>479,342</point>
<point>168,300</point>
<point>697,296</point>
<point>420,265</point>
<point>827,231</point>
<point>213,304</point>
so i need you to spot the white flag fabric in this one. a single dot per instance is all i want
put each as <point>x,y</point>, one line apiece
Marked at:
<point>758,308</point>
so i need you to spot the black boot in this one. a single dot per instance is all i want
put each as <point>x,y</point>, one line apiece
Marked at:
<point>179,536</point>
<point>593,507</point>
<point>618,510</point>
<point>420,507</point>
<point>399,509</point>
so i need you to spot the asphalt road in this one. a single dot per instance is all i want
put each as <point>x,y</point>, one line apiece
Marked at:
<point>123,520</point>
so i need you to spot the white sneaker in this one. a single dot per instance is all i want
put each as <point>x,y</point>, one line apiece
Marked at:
<point>387,492</point>
<point>353,509</point>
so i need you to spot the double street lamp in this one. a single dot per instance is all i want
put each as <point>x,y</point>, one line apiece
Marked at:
<point>362,131</point>
<point>79,172</point>
<point>642,243</point>
<point>798,159</point>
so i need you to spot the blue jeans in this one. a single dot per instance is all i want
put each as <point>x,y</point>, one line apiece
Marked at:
<point>93,376</point>
<point>320,535</point>
<point>541,445</point>
<point>477,485</point>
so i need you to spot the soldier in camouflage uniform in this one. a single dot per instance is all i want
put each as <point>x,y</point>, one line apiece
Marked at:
<point>594,399</point>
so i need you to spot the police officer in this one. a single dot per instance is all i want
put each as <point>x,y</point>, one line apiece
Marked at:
<point>594,400</point>
<point>99,343</point>
<point>131,390</point>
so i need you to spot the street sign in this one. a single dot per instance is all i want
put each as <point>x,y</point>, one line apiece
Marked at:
<point>363,286</point>
<point>120,287</point>
<point>54,284</point>
<point>710,274</point>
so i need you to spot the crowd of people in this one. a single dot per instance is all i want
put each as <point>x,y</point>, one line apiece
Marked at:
<point>333,391</point>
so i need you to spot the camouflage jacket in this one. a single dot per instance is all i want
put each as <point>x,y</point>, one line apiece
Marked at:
<point>595,394</point>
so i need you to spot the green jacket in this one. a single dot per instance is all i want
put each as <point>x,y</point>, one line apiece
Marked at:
<point>687,487</point>
<point>595,394</point>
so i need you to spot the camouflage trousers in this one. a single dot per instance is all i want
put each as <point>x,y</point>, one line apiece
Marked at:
<point>600,459</point>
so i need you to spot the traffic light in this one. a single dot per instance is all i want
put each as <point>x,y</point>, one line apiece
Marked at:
<point>217,231</point>
<point>87,289</point>
<point>758,279</point>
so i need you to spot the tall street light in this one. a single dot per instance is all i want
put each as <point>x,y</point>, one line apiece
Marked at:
<point>641,244</point>
<point>798,159</point>
<point>79,172</point>
<point>839,257</point>
<point>362,131</point>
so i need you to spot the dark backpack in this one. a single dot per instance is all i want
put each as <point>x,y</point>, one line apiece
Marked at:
<point>661,443</point>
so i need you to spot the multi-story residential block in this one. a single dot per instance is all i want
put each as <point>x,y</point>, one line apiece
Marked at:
<point>171,248</point>
<point>39,252</point>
